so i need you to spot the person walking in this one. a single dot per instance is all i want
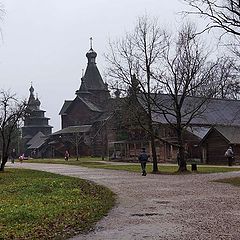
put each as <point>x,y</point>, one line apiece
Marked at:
<point>21,158</point>
<point>66,157</point>
<point>13,155</point>
<point>143,158</point>
<point>229,154</point>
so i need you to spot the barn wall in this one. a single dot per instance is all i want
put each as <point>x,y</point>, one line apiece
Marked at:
<point>215,145</point>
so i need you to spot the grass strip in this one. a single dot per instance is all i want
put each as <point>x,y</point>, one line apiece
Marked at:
<point>233,181</point>
<point>163,168</point>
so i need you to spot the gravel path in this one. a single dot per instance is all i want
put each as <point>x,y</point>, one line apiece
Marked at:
<point>164,207</point>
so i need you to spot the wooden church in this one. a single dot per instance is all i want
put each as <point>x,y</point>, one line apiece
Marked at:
<point>85,119</point>
<point>36,129</point>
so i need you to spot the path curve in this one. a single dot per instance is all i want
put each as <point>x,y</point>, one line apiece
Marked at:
<point>165,207</point>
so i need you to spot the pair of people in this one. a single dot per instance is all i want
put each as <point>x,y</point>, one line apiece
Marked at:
<point>143,158</point>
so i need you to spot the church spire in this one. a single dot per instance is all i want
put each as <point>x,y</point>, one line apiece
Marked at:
<point>92,82</point>
<point>92,79</point>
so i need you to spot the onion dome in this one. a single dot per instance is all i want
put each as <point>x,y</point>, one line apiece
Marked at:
<point>31,89</point>
<point>91,55</point>
<point>31,99</point>
<point>37,102</point>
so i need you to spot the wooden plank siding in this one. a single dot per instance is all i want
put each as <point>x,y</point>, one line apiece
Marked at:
<point>215,152</point>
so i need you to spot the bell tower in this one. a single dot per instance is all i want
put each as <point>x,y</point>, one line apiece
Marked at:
<point>92,85</point>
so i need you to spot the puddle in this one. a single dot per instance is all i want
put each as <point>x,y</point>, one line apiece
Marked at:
<point>162,202</point>
<point>145,214</point>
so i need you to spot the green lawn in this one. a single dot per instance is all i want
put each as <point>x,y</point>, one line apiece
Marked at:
<point>40,205</point>
<point>233,181</point>
<point>163,168</point>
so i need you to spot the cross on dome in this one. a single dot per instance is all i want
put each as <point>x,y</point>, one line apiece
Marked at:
<point>91,42</point>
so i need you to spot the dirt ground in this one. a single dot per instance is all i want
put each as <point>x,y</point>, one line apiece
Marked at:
<point>164,207</point>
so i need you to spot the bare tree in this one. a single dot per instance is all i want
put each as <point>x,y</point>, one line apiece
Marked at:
<point>220,14</point>
<point>186,72</point>
<point>226,79</point>
<point>133,59</point>
<point>11,112</point>
<point>75,138</point>
<point>2,12</point>
<point>223,14</point>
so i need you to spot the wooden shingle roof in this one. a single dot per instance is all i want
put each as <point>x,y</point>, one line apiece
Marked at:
<point>65,106</point>
<point>231,133</point>
<point>74,129</point>
<point>222,112</point>
<point>37,141</point>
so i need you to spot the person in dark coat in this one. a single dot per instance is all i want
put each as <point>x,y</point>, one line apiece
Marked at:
<point>143,158</point>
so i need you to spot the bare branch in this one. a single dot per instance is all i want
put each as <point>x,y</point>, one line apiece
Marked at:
<point>219,14</point>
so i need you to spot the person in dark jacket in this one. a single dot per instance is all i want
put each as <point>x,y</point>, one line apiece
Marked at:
<point>143,158</point>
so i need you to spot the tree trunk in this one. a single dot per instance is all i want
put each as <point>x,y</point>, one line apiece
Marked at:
<point>77,152</point>
<point>182,160</point>
<point>2,167</point>
<point>3,163</point>
<point>154,155</point>
<point>153,147</point>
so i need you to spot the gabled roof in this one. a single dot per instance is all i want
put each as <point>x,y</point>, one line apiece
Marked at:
<point>74,129</point>
<point>199,131</point>
<point>35,137</point>
<point>65,106</point>
<point>37,141</point>
<point>90,105</point>
<point>232,134</point>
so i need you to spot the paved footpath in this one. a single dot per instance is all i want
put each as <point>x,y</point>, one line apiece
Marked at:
<point>164,207</point>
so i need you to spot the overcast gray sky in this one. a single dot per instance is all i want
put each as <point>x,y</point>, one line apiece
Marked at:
<point>45,42</point>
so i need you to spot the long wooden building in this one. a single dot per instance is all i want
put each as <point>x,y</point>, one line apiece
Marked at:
<point>94,123</point>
